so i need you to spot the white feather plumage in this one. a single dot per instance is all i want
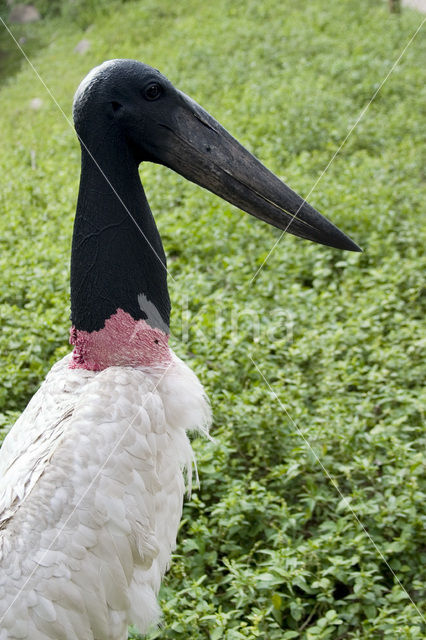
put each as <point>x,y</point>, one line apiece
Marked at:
<point>91,491</point>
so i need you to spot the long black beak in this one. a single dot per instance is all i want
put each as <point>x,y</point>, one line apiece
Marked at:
<point>200,149</point>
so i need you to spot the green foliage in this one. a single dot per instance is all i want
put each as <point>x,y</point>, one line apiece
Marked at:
<point>309,521</point>
<point>81,12</point>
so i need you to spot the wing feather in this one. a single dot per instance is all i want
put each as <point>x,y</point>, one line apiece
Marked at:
<point>91,498</point>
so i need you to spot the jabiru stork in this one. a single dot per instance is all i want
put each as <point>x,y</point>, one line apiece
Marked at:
<point>91,474</point>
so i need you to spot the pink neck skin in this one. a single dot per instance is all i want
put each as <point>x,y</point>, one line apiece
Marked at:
<point>122,342</point>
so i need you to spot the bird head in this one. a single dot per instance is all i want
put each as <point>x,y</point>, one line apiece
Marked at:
<point>132,102</point>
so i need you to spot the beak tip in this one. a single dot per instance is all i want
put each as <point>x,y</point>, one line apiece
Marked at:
<point>351,246</point>
<point>336,238</point>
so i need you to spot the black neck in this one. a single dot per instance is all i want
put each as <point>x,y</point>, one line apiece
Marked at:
<point>113,261</point>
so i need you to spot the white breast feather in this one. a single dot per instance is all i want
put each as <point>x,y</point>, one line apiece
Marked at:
<point>91,491</point>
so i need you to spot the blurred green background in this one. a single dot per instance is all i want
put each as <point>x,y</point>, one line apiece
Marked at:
<point>310,518</point>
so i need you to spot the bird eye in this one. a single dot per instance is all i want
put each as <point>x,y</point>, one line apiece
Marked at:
<point>153,91</point>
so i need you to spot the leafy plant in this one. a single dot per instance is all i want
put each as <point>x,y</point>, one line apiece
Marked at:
<point>309,520</point>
